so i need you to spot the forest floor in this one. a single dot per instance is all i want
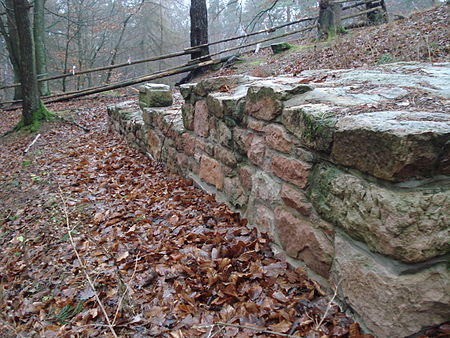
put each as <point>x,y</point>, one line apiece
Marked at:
<point>163,258</point>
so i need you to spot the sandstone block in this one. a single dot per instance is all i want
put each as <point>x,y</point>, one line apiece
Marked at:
<point>235,193</point>
<point>148,115</point>
<point>265,187</point>
<point>155,95</point>
<point>410,225</point>
<point>209,85</point>
<point>257,125</point>
<point>224,134</point>
<point>154,144</point>
<point>261,103</point>
<point>225,156</point>
<point>277,138</point>
<point>245,177</point>
<point>204,146</point>
<point>241,140</point>
<point>189,143</point>
<point>296,199</point>
<point>291,171</point>
<point>186,90</point>
<point>312,124</point>
<point>264,219</point>
<point>201,120</point>
<point>394,146</point>
<point>257,151</point>
<point>182,162</point>
<point>302,241</point>
<point>391,303</point>
<point>187,111</point>
<point>211,172</point>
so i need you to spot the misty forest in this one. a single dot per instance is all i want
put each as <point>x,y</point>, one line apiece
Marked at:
<point>224,168</point>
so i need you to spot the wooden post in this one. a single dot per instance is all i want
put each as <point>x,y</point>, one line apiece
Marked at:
<point>329,18</point>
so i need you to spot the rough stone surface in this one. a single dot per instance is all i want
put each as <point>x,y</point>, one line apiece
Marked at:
<point>155,95</point>
<point>265,187</point>
<point>154,144</point>
<point>277,138</point>
<point>312,124</point>
<point>235,193</point>
<point>225,156</point>
<point>245,176</point>
<point>296,199</point>
<point>148,115</point>
<point>204,146</point>
<point>411,226</point>
<point>189,143</point>
<point>187,111</point>
<point>220,83</point>
<point>241,140</point>
<point>186,90</point>
<point>300,240</point>
<point>261,103</point>
<point>291,171</point>
<point>226,104</point>
<point>201,120</point>
<point>394,145</point>
<point>211,172</point>
<point>391,304</point>
<point>224,134</point>
<point>255,124</point>
<point>264,219</point>
<point>257,151</point>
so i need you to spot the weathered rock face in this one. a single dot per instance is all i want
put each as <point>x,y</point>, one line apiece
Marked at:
<point>211,172</point>
<point>155,95</point>
<point>411,226</point>
<point>300,240</point>
<point>201,120</point>
<point>394,145</point>
<point>349,177</point>
<point>392,304</point>
<point>292,171</point>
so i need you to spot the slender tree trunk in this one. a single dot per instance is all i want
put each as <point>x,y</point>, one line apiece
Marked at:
<point>30,91</point>
<point>379,16</point>
<point>329,18</point>
<point>12,42</point>
<point>199,27</point>
<point>39,45</point>
<point>66,50</point>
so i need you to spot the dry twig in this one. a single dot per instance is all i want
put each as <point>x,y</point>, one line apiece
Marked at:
<point>246,327</point>
<point>32,143</point>
<point>83,266</point>
<point>119,305</point>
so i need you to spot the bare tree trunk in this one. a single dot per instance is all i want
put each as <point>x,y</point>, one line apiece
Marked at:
<point>329,18</point>
<point>66,50</point>
<point>379,16</point>
<point>39,45</point>
<point>30,91</point>
<point>199,35</point>
<point>9,32</point>
<point>199,27</point>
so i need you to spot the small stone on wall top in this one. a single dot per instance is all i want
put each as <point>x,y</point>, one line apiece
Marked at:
<point>155,95</point>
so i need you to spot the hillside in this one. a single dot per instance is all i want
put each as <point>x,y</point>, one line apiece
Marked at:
<point>423,36</point>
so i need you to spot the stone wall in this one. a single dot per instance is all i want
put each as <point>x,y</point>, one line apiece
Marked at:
<point>335,168</point>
